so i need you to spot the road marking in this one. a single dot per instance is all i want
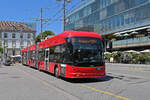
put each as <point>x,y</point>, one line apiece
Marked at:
<point>105,92</point>
<point>135,69</point>
<point>138,69</point>
<point>46,83</point>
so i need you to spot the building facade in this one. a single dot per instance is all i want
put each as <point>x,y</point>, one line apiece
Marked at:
<point>124,24</point>
<point>15,36</point>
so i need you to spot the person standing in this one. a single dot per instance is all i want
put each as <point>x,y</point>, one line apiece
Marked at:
<point>0,60</point>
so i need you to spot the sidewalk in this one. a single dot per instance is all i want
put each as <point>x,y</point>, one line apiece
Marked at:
<point>128,65</point>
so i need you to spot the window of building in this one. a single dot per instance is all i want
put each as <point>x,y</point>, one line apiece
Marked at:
<point>13,44</point>
<point>21,35</point>
<point>81,13</point>
<point>6,42</point>
<point>13,35</point>
<point>118,21</point>
<point>111,25</point>
<point>138,2</point>
<point>122,20</point>
<point>87,11</point>
<point>113,22</point>
<point>28,43</point>
<point>103,14</point>
<point>29,35</point>
<point>22,43</point>
<point>5,35</point>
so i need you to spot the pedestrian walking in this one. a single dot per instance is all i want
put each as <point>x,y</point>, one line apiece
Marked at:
<point>0,60</point>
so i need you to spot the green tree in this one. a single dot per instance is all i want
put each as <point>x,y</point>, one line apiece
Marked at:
<point>1,50</point>
<point>129,58</point>
<point>147,58</point>
<point>116,57</point>
<point>43,35</point>
<point>107,57</point>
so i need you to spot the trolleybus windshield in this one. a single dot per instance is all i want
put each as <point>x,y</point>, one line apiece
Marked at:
<point>86,51</point>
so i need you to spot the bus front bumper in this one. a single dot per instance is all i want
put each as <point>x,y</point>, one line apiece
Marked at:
<point>85,75</point>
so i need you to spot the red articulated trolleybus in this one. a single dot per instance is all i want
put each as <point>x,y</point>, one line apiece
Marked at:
<point>71,54</point>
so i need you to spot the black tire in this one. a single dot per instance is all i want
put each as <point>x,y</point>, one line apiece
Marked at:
<point>56,72</point>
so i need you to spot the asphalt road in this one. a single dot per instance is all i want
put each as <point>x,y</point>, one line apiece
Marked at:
<point>123,82</point>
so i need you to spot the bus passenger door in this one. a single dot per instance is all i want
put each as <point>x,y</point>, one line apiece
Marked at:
<point>46,59</point>
<point>36,56</point>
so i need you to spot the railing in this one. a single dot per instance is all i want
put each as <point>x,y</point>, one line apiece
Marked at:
<point>132,41</point>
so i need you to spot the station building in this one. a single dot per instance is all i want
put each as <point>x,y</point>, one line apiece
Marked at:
<point>124,24</point>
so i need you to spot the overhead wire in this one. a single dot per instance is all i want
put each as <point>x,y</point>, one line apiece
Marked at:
<point>67,10</point>
<point>72,7</point>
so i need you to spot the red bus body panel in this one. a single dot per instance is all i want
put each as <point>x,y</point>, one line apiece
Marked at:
<point>84,72</point>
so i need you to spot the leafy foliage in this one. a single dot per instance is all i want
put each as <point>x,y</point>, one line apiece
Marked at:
<point>1,50</point>
<point>43,35</point>
<point>130,58</point>
<point>107,56</point>
<point>147,58</point>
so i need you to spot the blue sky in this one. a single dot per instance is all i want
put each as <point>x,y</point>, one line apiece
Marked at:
<point>25,10</point>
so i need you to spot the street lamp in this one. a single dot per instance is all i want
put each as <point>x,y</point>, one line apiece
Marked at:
<point>64,12</point>
<point>21,36</point>
<point>13,45</point>
<point>3,30</point>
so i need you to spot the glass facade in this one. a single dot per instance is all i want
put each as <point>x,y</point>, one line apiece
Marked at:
<point>109,16</point>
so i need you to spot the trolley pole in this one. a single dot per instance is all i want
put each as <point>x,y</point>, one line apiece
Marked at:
<point>41,19</point>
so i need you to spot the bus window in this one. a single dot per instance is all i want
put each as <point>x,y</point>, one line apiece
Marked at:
<point>86,51</point>
<point>41,54</point>
<point>51,54</point>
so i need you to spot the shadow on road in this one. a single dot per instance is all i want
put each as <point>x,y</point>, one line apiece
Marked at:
<point>84,80</point>
<point>88,80</point>
<point>81,80</point>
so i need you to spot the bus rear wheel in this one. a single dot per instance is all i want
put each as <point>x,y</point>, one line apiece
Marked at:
<point>56,72</point>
